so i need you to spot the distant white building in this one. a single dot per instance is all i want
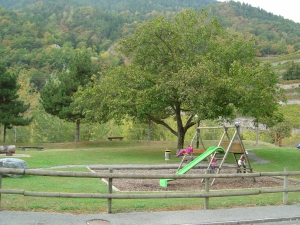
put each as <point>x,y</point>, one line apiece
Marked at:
<point>55,46</point>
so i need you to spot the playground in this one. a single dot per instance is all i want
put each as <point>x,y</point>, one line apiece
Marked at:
<point>229,143</point>
<point>191,184</point>
<point>71,157</point>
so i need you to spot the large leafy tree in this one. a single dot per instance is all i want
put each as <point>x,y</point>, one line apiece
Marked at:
<point>57,96</point>
<point>11,108</point>
<point>185,66</point>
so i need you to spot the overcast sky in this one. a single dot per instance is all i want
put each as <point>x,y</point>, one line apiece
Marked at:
<point>289,9</point>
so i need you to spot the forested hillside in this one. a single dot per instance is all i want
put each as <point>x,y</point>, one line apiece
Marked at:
<point>38,38</point>
<point>41,36</point>
<point>133,6</point>
<point>275,35</point>
<point>28,26</point>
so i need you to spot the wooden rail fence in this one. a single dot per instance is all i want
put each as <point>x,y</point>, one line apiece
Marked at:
<point>206,194</point>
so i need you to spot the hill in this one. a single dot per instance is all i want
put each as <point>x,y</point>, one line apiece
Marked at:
<point>117,6</point>
<point>39,37</point>
<point>43,35</point>
<point>275,35</point>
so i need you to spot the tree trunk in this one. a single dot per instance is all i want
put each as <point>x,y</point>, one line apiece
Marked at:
<point>198,136</point>
<point>149,130</point>
<point>181,129</point>
<point>77,131</point>
<point>256,139</point>
<point>180,137</point>
<point>4,133</point>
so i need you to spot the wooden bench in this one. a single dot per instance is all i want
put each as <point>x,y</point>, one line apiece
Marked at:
<point>8,150</point>
<point>111,138</point>
<point>38,148</point>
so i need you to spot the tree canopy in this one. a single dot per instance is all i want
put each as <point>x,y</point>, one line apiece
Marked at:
<point>11,108</point>
<point>185,66</point>
<point>292,72</point>
<point>57,96</point>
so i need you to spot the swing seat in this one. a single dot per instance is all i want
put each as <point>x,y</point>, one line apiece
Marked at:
<point>190,157</point>
<point>198,151</point>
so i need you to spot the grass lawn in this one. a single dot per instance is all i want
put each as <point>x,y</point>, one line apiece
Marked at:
<point>124,152</point>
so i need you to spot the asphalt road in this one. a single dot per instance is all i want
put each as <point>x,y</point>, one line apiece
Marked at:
<point>282,215</point>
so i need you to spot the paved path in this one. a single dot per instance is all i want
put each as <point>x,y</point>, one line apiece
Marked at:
<point>256,159</point>
<point>289,214</point>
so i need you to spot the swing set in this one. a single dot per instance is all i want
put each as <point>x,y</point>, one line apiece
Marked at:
<point>231,144</point>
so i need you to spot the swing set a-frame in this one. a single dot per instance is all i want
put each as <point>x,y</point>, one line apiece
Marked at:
<point>233,145</point>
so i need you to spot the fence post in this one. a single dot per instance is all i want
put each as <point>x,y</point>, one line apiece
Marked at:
<point>285,185</point>
<point>207,184</point>
<point>109,192</point>
<point>0,182</point>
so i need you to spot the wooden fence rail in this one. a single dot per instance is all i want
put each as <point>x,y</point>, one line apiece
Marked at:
<point>110,176</point>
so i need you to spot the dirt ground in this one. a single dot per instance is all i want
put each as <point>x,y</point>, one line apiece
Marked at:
<point>192,184</point>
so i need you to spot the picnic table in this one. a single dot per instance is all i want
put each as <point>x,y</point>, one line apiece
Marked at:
<point>38,148</point>
<point>111,138</point>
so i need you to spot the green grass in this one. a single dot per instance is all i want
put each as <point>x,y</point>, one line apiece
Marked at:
<point>280,158</point>
<point>102,152</point>
<point>125,152</point>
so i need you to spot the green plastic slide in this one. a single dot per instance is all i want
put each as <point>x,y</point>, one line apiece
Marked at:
<point>208,152</point>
